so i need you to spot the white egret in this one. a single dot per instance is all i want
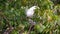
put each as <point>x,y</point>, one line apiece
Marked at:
<point>29,14</point>
<point>30,11</point>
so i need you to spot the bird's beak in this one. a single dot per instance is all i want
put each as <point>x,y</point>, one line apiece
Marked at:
<point>37,7</point>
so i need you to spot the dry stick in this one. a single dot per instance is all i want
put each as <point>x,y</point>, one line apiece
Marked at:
<point>10,27</point>
<point>30,29</point>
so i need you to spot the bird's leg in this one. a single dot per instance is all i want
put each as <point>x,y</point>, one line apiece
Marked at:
<point>30,28</point>
<point>32,25</point>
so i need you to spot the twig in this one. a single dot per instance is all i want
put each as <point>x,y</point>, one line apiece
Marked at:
<point>29,29</point>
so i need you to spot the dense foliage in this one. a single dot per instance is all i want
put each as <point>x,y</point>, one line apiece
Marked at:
<point>13,19</point>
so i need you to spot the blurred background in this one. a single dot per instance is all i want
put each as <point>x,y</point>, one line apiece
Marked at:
<point>13,19</point>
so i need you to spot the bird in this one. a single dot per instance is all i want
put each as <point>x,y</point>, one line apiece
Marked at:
<point>30,11</point>
<point>29,14</point>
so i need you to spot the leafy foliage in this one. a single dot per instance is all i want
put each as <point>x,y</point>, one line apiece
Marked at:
<point>13,19</point>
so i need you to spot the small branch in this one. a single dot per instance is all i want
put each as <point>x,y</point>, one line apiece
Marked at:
<point>30,29</point>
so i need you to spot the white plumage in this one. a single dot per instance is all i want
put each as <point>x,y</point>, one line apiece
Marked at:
<point>30,11</point>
